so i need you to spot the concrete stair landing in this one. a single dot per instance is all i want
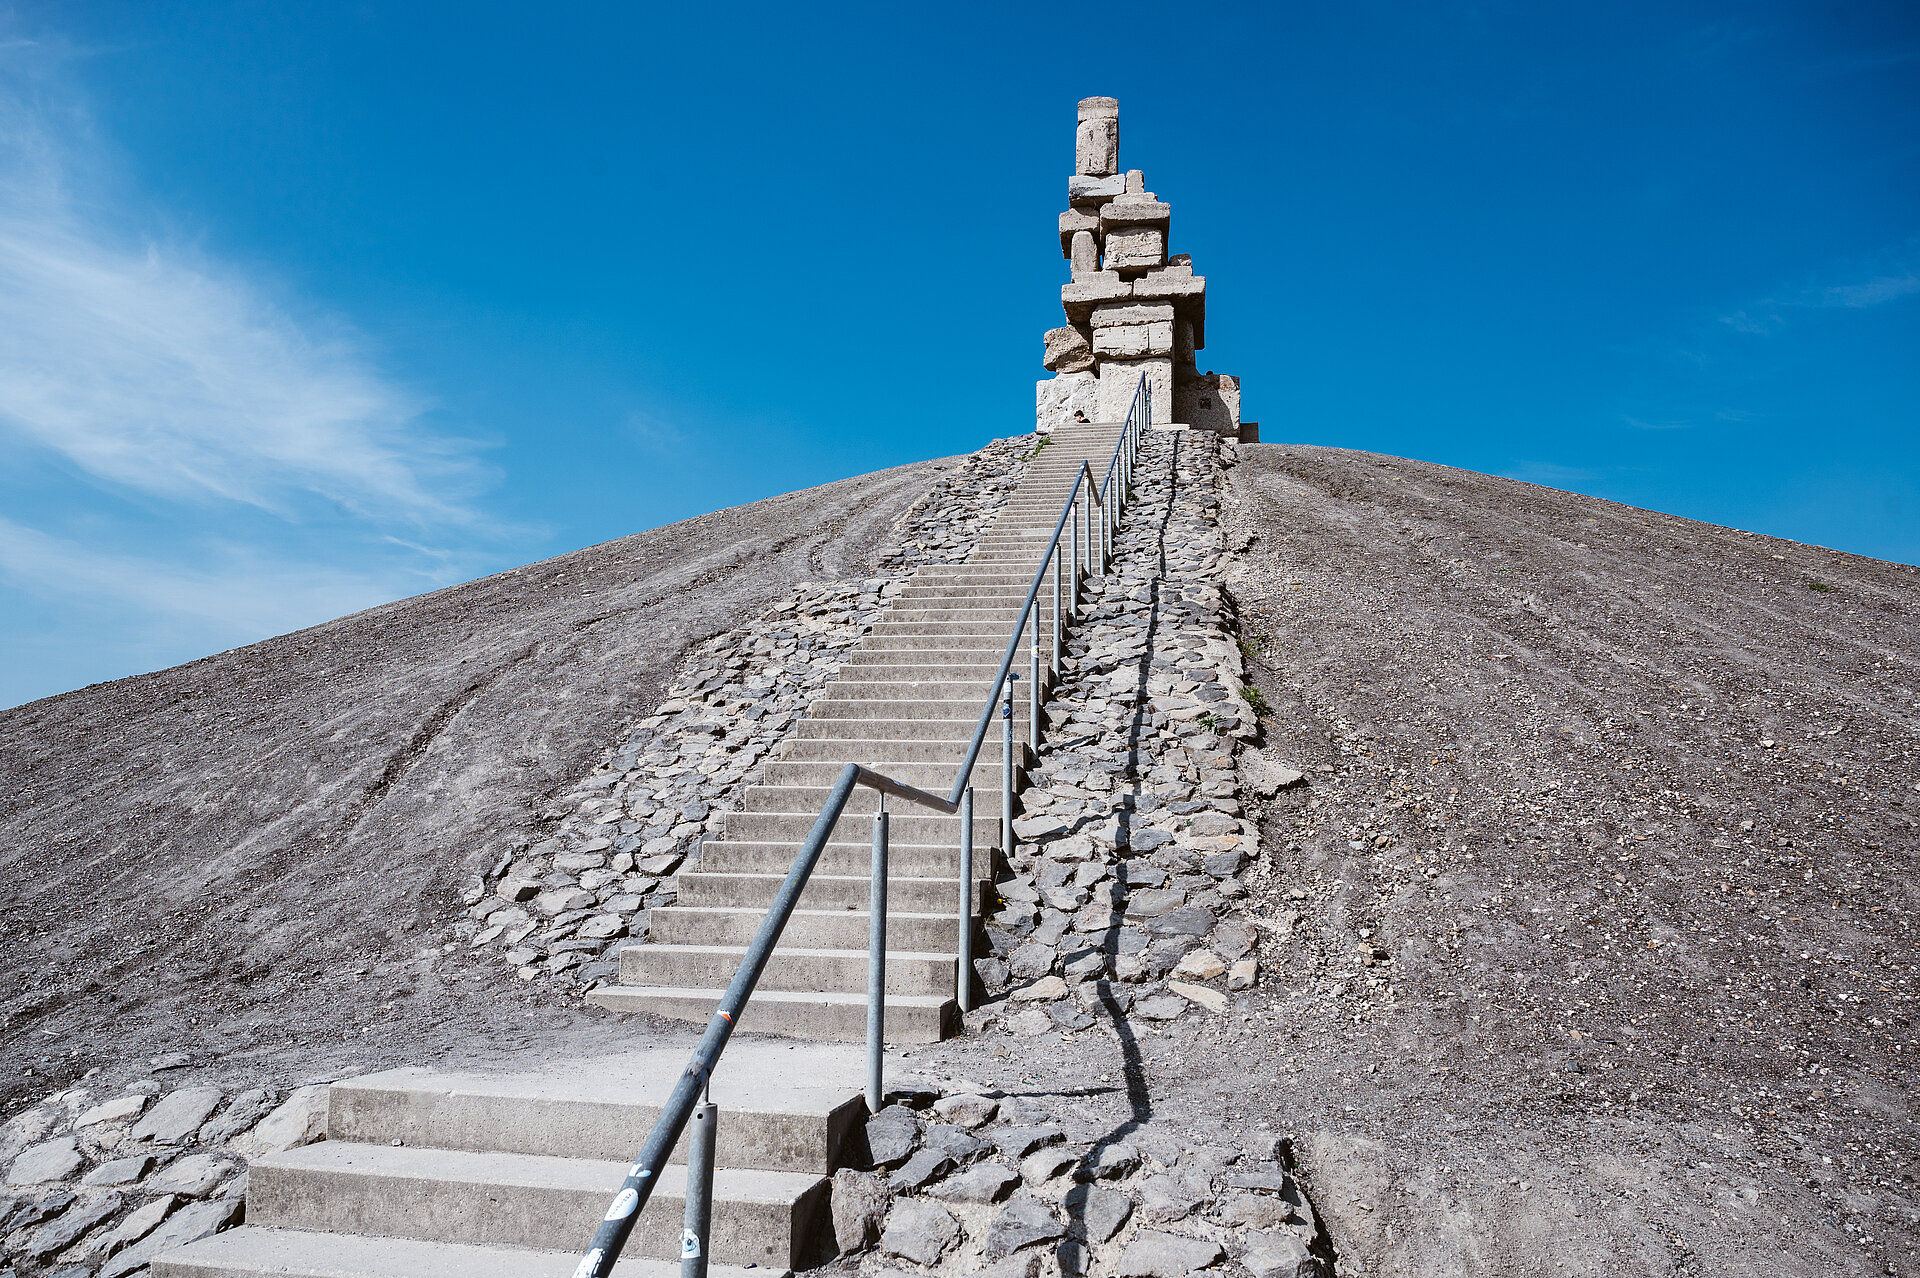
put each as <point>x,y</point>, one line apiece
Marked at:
<point>906,703</point>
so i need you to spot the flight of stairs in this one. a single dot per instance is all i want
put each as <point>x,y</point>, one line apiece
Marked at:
<point>431,1174</point>
<point>906,704</point>
<point>436,1174</point>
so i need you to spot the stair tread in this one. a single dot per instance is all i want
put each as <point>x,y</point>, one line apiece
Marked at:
<point>771,877</point>
<point>844,997</point>
<point>760,911</point>
<point>793,950</point>
<point>528,1171</point>
<point>301,1253</point>
<point>768,1079</point>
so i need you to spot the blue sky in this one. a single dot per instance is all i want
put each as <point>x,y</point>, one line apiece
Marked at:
<point>303,308</point>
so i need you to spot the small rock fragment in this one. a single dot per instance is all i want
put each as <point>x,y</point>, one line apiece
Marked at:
<point>1157,1255</point>
<point>1043,1165</point>
<point>114,1110</point>
<point>178,1115</point>
<point>926,1166</point>
<point>859,1205</point>
<point>299,1120</point>
<point>1023,1222</point>
<point>48,1161</point>
<point>981,1183</point>
<point>919,1231</point>
<point>891,1135</point>
<point>1279,1253</point>
<point>966,1110</point>
<point>1101,1210</point>
<point>1212,1000</point>
<point>1200,965</point>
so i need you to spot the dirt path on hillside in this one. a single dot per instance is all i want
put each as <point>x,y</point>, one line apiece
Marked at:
<point>1595,947</point>
<point>246,863</point>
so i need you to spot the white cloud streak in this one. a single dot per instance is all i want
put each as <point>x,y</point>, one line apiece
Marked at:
<point>232,593</point>
<point>1770,314</point>
<point>173,391</point>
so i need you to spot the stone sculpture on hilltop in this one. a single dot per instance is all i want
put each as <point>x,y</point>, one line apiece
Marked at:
<point>1130,307</point>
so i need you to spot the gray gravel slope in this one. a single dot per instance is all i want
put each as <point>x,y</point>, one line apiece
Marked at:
<point>237,857</point>
<point>1622,808</point>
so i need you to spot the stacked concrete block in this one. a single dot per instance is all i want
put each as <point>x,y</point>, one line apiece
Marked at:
<point>1131,307</point>
<point>1096,139</point>
<point>1068,350</point>
<point>1119,378</point>
<point>1208,401</point>
<point>1057,399</point>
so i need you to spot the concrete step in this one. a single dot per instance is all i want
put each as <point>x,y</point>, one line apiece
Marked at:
<point>786,1109</point>
<point>908,710</point>
<point>965,605</point>
<point>854,685</point>
<point>908,860</point>
<point>975,629</point>
<point>978,669</point>
<point>1015,559</point>
<point>942,733</point>
<point>806,929</point>
<point>980,676</point>
<point>252,1252</point>
<point>898,738</point>
<point>934,777</point>
<point>837,1016</point>
<point>986,578</point>
<point>990,646</point>
<point>790,969</point>
<point>947,747</point>
<point>793,827</point>
<point>811,798</point>
<point>525,1200</point>
<point>720,889</point>
<point>936,594</point>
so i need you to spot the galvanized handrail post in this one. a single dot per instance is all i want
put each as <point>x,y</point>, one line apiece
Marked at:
<point>1106,524</point>
<point>1056,611</point>
<point>1073,584</point>
<point>963,994</point>
<point>877,961</point>
<point>1006,769</point>
<point>697,1221</point>
<point>1033,697</point>
<point>1086,517</point>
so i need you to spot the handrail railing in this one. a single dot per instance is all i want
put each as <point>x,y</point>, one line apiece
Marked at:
<point>689,1099</point>
<point>1137,413</point>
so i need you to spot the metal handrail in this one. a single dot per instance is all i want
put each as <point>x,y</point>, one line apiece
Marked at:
<point>1137,412</point>
<point>689,1099</point>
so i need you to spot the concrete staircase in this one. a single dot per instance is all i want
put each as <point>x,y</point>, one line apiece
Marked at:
<point>435,1174</point>
<point>428,1174</point>
<point>906,704</point>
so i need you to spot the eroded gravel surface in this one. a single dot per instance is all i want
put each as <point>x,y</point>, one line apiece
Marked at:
<point>247,862</point>
<point>1595,947</point>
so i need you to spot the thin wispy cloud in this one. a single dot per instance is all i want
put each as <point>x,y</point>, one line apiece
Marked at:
<point>149,366</point>
<point>1769,315</point>
<point>229,587</point>
<point>1873,292</point>
<point>154,385</point>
